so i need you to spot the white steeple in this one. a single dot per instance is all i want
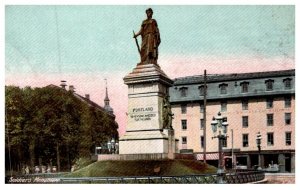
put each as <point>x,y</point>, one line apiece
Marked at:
<point>106,100</point>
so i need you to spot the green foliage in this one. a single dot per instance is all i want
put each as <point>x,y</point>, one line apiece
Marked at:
<point>82,162</point>
<point>143,168</point>
<point>50,124</point>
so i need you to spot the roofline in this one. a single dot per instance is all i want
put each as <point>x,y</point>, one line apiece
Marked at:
<point>232,76</point>
<point>229,98</point>
<point>93,104</point>
<point>89,102</point>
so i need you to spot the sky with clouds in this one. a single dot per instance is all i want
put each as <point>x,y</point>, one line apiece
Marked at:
<point>86,44</point>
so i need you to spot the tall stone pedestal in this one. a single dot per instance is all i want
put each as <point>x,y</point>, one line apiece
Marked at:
<point>147,87</point>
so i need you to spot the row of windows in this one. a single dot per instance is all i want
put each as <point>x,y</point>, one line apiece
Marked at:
<point>270,139</point>
<point>244,87</point>
<point>245,121</point>
<point>269,105</point>
<point>270,119</point>
<point>245,140</point>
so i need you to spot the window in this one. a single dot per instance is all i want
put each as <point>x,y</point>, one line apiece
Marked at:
<point>244,87</point>
<point>287,102</point>
<point>202,141</point>
<point>288,136</point>
<point>245,140</point>
<point>201,90</point>
<point>183,124</point>
<point>183,108</point>
<point>287,118</point>
<point>183,140</point>
<point>202,123</point>
<point>223,88</point>
<point>201,108</point>
<point>183,91</point>
<point>244,104</point>
<point>269,85</point>
<point>270,139</point>
<point>245,121</point>
<point>224,142</point>
<point>223,106</point>
<point>270,120</point>
<point>287,83</point>
<point>269,103</point>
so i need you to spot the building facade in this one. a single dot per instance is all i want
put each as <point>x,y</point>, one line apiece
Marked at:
<point>253,103</point>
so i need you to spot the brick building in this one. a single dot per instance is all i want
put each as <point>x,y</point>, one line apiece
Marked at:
<point>261,102</point>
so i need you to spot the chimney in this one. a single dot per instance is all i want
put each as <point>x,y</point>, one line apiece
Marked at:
<point>63,84</point>
<point>71,88</point>
<point>87,96</point>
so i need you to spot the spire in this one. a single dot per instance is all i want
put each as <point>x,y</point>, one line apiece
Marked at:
<point>106,100</point>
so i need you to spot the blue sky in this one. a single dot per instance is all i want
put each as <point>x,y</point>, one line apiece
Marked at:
<point>97,38</point>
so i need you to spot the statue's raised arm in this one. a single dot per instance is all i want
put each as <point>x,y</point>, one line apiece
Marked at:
<point>150,39</point>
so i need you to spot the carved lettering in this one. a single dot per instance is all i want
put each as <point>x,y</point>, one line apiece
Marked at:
<point>138,115</point>
<point>142,109</point>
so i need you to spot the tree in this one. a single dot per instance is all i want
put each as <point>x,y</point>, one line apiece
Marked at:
<point>50,124</point>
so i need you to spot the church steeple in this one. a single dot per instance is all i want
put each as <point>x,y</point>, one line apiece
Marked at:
<point>106,100</point>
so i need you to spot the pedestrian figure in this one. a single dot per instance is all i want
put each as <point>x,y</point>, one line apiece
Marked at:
<point>27,170</point>
<point>54,169</point>
<point>37,169</point>
<point>43,169</point>
<point>48,169</point>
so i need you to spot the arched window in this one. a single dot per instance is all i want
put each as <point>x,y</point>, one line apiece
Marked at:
<point>287,83</point>
<point>244,87</point>
<point>183,91</point>
<point>269,84</point>
<point>223,88</point>
<point>201,90</point>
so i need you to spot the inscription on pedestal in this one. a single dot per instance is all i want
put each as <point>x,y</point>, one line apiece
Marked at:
<point>142,114</point>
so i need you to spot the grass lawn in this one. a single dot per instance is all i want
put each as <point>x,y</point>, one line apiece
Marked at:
<point>143,168</point>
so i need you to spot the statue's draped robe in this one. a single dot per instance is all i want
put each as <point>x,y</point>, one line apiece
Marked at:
<point>150,40</point>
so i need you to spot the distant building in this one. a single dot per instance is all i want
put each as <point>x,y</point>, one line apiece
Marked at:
<point>106,109</point>
<point>87,100</point>
<point>252,102</point>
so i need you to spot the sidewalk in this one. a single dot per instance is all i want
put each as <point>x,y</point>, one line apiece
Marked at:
<point>280,178</point>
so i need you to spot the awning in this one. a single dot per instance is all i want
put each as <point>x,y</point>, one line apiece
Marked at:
<point>209,156</point>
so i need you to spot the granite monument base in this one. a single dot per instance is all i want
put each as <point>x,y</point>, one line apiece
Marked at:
<point>145,134</point>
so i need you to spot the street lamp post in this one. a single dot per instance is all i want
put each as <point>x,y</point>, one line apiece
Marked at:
<point>117,147</point>
<point>109,147</point>
<point>232,159</point>
<point>113,146</point>
<point>258,143</point>
<point>219,127</point>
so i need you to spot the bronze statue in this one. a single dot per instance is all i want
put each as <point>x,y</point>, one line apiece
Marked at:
<point>150,39</point>
<point>167,113</point>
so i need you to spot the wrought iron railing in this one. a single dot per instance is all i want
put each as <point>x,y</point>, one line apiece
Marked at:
<point>244,176</point>
<point>232,177</point>
<point>193,179</point>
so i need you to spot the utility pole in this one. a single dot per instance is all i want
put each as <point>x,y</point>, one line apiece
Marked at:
<point>204,119</point>
<point>232,161</point>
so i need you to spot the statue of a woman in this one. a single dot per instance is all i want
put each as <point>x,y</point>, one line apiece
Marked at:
<point>150,39</point>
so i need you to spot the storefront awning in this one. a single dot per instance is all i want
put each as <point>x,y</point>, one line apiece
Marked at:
<point>212,156</point>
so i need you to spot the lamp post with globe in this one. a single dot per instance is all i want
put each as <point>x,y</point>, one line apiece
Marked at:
<point>219,127</point>
<point>258,143</point>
